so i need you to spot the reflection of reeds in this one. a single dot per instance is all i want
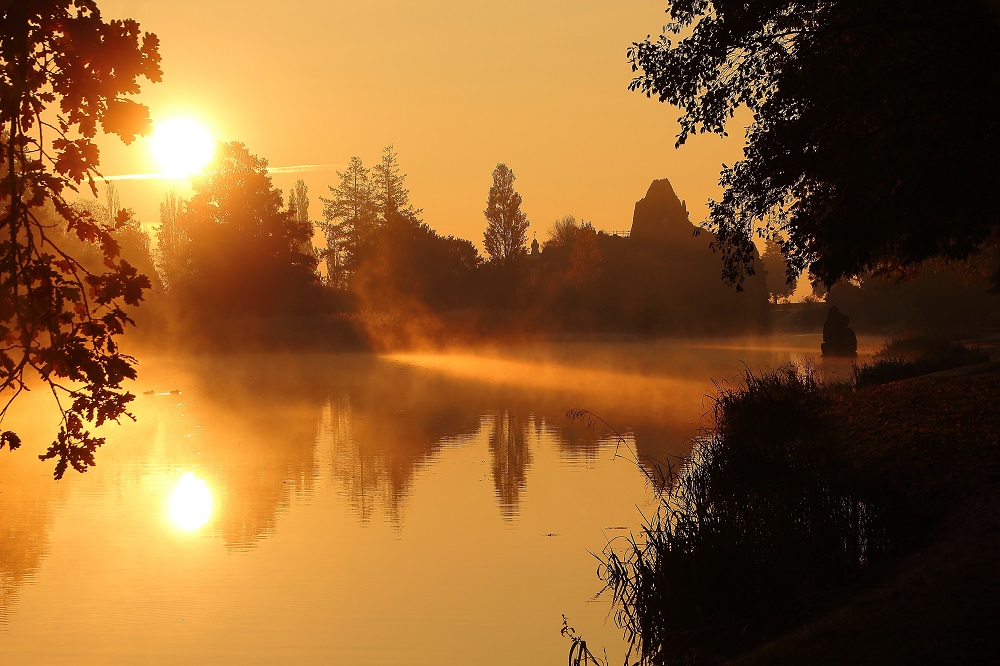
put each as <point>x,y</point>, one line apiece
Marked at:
<point>579,653</point>
<point>751,532</point>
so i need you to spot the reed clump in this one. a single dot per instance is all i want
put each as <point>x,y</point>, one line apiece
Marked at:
<point>907,357</point>
<point>756,530</point>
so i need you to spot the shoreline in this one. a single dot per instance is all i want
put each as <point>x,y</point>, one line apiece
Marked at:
<point>935,442</point>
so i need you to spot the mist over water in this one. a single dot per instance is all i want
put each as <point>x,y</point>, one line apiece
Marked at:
<point>348,508</point>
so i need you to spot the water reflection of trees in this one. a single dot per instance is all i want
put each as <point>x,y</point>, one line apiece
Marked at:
<point>262,430</point>
<point>384,422</point>
<point>266,421</point>
<point>25,517</point>
<point>265,465</point>
<point>510,458</point>
<point>371,476</point>
<point>256,420</point>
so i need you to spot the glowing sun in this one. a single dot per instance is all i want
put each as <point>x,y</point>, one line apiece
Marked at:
<point>190,503</point>
<point>182,146</point>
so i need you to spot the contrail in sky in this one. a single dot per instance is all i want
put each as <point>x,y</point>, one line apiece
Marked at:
<point>303,167</point>
<point>133,176</point>
<point>298,168</point>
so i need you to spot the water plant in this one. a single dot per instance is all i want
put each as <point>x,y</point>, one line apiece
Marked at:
<point>905,357</point>
<point>579,653</point>
<point>753,532</point>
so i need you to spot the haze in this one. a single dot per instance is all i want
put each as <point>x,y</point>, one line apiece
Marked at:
<point>410,319</point>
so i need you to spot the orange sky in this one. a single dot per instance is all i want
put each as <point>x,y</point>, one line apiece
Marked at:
<point>456,86</point>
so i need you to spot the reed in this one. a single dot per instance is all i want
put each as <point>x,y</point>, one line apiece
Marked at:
<point>906,357</point>
<point>753,532</point>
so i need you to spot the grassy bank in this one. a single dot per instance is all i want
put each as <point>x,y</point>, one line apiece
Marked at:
<point>821,524</point>
<point>935,444</point>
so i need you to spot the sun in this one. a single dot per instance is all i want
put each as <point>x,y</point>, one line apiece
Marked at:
<point>190,503</point>
<point>182,146</point>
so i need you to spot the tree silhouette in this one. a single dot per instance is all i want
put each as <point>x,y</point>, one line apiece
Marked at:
<point>133,240</point>
<point>389,195</point>
<point>64,72</point>
<point>578,242</point>
<point>776,270</point>
<point>349,215</point>
<point>298,202</point>
<point>172,254</point>
<point>404,263</point>
<point>875,125</point>
<point>507,229</point>
<point>562,232</point>
<point>246,250</point>
<point>298,207</point>
<point>352,199</point>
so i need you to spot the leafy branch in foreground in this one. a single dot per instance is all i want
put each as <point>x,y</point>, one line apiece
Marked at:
<point>59,319</point>
<point>863,113</point>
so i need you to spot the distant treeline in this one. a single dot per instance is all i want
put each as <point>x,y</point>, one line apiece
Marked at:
<point>236,263</point>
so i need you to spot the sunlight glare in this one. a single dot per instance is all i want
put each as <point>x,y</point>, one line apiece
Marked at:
<point>182,147</point>
<point>190,503</point>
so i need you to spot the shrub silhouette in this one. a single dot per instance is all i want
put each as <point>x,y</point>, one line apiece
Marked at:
<point>751,532</point>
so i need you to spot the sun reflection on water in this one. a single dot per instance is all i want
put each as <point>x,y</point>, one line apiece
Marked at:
<point>190,503</point>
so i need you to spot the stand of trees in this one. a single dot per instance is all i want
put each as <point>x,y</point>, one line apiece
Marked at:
<point>662,278</point>
<point>382,253</point>
<point>244,251</point>
<point>233,251</point>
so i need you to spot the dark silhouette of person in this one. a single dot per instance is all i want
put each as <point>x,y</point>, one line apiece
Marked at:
<point>838,338</point>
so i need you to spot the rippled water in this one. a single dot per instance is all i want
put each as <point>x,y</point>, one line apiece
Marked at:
<point>419,509</point>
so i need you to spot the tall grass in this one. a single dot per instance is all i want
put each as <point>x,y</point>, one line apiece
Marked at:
<point>751,532</point>
<point>912,356</point>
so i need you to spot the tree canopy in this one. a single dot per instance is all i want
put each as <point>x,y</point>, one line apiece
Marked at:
<point>64,73</point>
<point>359,207</point>
<point>776,271</point>
<point>874,132</point>
<point>507,227</point>
<point>246,250</point>
<point>389,193</point>
<point>172,242</point>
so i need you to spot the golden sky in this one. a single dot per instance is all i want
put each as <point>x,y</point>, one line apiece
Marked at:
<point>456,86</point>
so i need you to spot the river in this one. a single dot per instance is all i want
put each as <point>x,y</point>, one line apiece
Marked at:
<point>350,509</point>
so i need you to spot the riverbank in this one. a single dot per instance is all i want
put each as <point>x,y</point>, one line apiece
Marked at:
<point>934,442</point>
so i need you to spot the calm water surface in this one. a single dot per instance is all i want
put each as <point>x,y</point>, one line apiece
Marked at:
<point>417,509</point>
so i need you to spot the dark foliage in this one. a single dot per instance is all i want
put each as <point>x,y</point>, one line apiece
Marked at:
<point>776,272</point>
<point>874,132</point>
<point>611,283</point>
<point>403,262</point>
<point>507,226</point>
<point>752,532</point>
<point>64,72</point>
<point>950,298</point>
<point>908,357</point>
<point>247,253</point>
